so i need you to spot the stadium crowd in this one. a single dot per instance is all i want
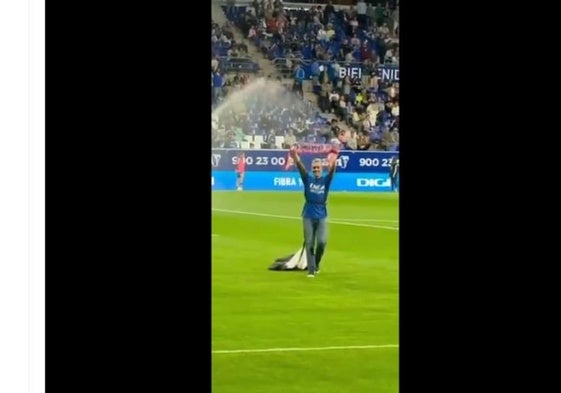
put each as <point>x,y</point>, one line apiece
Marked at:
<point>358,112</point>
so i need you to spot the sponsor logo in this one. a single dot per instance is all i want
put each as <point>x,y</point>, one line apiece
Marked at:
<point>373,182</point>
<point>343,161</point>
<point>286,181</point>
<point>215,159</point>
<point>317,188</point>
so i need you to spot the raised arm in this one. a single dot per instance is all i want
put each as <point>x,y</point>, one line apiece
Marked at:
<point>298,162</point>
<point>332,161</point>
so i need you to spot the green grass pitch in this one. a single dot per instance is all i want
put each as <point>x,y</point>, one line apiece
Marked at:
<point>335,333</point>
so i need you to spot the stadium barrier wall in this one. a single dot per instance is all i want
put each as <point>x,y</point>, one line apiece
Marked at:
<point>339,4</point>
<point>270,170</point>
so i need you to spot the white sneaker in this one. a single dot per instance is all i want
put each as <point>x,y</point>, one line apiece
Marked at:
<point>311,275</point>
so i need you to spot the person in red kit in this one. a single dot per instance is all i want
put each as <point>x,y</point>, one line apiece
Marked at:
<point>240,171</point>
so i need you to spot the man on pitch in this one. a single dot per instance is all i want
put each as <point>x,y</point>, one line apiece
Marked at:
<point>240,171</point>
<point>394,173</point>
<point>314,212</point>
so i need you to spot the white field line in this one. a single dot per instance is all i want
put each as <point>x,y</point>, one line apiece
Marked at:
<point>367,220</point>
<point>354,224</point>
<point>306,349</point>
